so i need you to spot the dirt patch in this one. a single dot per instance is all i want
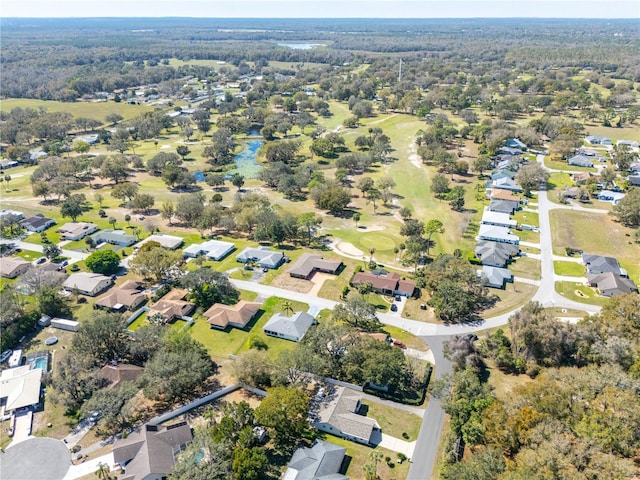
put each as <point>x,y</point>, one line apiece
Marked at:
<point>295,284</point>
<point>414,158</point>
<point>243,395</point>
<point>348,249</point>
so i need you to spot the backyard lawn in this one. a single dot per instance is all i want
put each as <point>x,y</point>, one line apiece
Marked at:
<point>596,234</point>
<point>233,341</point>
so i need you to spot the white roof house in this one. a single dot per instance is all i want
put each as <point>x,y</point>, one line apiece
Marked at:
<point>166,241</point>
<point>498,219</point>
<point>5,212</point>
<point>263,256</point>
<point>77,230</point>
<point>292,328</point>
<point>610,196</point>
<point>213,249</point>
<point>497,234</point>
<point>11,267</point>
<point>87,283</point>
<point>20,387</point>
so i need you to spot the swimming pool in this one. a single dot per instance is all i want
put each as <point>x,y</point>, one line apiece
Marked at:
<point>40,363</point>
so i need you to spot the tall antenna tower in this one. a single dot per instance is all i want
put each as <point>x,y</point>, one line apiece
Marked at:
<point>400,71</point>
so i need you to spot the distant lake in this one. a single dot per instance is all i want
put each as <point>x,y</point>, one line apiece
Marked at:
<point>302,46</point>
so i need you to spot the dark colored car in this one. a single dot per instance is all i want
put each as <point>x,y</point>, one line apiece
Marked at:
<point>394,307</point>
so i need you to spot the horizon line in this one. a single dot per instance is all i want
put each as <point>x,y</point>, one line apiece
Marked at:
<point>313,18</point>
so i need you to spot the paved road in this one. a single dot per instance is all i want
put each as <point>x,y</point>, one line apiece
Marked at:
<point>73,255</point>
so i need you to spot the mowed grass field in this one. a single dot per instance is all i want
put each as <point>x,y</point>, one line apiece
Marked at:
<point>596,234</point>
<point>96,110</point>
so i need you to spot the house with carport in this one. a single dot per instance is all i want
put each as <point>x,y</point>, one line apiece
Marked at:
<point>38,223</point>
<point>309,263</point>
<point>212,249</point>
<point>76,230</point>
<point>263,256</point>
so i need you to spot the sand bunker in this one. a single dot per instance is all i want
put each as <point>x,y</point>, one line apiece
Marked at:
<point>348,249</point>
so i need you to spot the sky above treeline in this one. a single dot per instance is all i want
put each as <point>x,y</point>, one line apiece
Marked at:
<point>323,9</point>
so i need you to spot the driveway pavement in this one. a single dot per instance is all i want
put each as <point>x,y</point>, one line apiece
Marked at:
<point>89,467</point>
<point>392,443</point>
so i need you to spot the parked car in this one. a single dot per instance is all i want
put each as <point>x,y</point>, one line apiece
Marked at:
<point>399,344</point>
<point>472,337</point>
<point>394,307</point>
<point>5,355</point>
<point>41,260</point>
<point>398,298</point>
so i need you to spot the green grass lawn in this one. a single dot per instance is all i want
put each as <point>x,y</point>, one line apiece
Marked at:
<point>564,166</point>
<point>595,234</point>
<point>395,422</point>
<point>527,218</point>
<point>514,295</point>
<point>29,255</point>
<point>527,235</point>
<point>579,292</point>
<point>526,267</point>
<point>405,337</point>
<point>358,456</point>
<point>97,111</point>
<point>571,269</point>
<point>221,344</point>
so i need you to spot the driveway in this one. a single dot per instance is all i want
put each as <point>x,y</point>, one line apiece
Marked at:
<point>22,429</point>
<point>392,443</point>
<point>89,467</point>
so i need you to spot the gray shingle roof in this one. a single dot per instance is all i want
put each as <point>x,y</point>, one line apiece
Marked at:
<point>340,411</point>
<point>320,462</point>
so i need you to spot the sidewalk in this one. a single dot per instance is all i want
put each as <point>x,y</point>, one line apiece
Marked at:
<point>89,467</point>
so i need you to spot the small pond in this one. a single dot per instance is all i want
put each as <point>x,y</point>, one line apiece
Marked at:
<point>246,163</point>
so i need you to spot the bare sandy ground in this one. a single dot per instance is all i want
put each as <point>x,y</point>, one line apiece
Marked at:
<point>348,249</point>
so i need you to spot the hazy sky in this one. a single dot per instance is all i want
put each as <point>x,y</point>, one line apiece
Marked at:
<point>323,9</point>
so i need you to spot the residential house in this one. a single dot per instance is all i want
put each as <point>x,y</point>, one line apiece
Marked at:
<point>597,140</point>
<point>120,373</point>
<point>87,283</point>
<point>12,267</point>
<point>113,237</point>
<point>323,461</point>
<point>338,415</point>
<point>610,196</point>
<point>385,283</point>
<point>495,277</point>
<point>263,256</point>
<point>631,143</point>
<point>76,230</point>
<point>7,163</point>
<point>309,263</point>
<point>498,219</point>
<point>151,452</point>
<point>173,305</point>
<point>239,315</point>
<point>610,284</point>
<point>509,151</point>
<point>37,223</point>
<point>571,192</point>
<point>496,254</point>
<point>292,328</point>
<point>19,388</point>
<point>580,161</point>
<point>5,213</point>
<point>128,296</point>
<point>506,184</point>
<point>515,143</point>
<point>502,194</point>
<point>581,178</point>
<point>598,264</point>
<point>504,206</point>
<point>166,241</point>
<point>213,250</point>
<point>497,234</point>
<point>503,173</point>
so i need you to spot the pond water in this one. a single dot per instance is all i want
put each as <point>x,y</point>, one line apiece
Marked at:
<point>246,163</point>
<point>302,46</point>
